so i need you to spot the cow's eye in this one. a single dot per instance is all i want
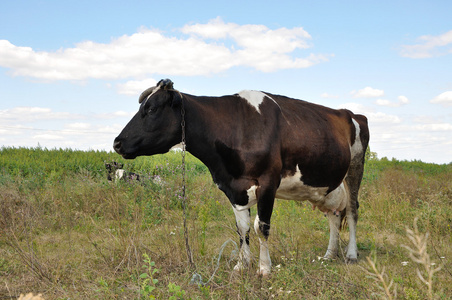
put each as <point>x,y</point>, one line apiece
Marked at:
<point>152,110</point>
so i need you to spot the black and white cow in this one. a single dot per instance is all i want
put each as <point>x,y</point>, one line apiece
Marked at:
<point>259,146</point>
<point>116,172</point>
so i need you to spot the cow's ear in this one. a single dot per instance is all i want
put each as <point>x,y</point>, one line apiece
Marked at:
<point>176,98</point>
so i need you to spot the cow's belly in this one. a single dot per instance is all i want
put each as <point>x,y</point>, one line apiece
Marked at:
<point>293,188</point>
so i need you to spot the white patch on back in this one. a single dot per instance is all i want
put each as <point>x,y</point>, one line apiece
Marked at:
<point>293,188</point>
<point>357,147</point>
<point>254,98</point>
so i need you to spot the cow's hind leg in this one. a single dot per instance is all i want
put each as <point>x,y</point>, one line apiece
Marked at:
<point>242,219</point>
<point>334,224</point>
<point>352,248</point>
<point>353,179</point>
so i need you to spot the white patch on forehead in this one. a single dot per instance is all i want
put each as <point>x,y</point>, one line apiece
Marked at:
<point>152,93</point>
<point>254,98</point>
<point>293,188</point>
<point>357,147</point>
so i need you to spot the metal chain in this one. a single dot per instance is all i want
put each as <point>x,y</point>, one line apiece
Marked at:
<point>196,277</point>
<point>184,198</point>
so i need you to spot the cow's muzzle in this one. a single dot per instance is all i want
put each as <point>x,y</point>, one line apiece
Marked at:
<point>117,146</point>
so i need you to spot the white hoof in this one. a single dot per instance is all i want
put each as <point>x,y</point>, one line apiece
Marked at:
<point>263,272</point>
<point>239,267</point>
<point>330,254</point>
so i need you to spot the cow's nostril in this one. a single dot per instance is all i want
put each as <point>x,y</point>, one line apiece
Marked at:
<point>117,146</point>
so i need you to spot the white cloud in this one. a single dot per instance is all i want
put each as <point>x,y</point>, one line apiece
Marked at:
<point>31,114</point>
<point>78,126</point>
<point>383,118</point>
<point>373,116</point>
<point>47,136</point>
<point>444,99</point>
<point>435,127</point>
<point>402,101</point>
<point>326,95</point>
<point>368,92</point>
<point>150,51</point>
<point>114,115</point>
<point>356,108</point>
<point>258,46</point>
<point>429,46</point>
<point>135,87</point>
<point>259,37</point>
<point>121,114</point>
<point>384,102</point>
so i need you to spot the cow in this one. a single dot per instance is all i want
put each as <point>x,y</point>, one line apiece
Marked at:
<point>260,146</point>
<point>116,172</point>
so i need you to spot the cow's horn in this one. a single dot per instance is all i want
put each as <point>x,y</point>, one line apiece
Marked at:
<point>145,94</point>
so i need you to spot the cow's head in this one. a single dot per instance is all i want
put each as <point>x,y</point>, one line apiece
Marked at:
<point>156,127</point>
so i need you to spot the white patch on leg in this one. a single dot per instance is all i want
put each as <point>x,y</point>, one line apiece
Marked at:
<point>334,224</point>
<point>252,199</point>
<point>265,262</point>
<point>352,248</point>
<point>254,98</point>
<point>242,218</point>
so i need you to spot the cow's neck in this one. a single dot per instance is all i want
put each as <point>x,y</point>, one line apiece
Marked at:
<point>203,127</point>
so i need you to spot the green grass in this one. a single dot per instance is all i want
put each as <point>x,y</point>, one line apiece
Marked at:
<point>68,233</point>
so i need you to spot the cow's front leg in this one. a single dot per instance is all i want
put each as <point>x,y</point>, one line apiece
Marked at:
<point>262,228</point>
<point>242,221</point>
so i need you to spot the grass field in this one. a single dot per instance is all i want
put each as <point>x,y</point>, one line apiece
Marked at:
<point>68,233</point>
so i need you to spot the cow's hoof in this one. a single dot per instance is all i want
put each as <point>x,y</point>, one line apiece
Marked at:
<point>330,255</point>
<point>328,258</point>
<point>351,261</point>
<point>239,267</point>
<point>264,272</point>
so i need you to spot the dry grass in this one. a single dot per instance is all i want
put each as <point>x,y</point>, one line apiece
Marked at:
<point>85,239</point>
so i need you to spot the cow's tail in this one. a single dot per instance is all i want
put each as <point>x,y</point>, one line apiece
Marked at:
<point>356,171</point>
<point>343,219</point>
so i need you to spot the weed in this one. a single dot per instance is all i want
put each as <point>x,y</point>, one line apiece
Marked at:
<point>147,280</point>
<point>175,291</point>
<point>380,278</point>
<point>418,253</point>
<point>67,232</point>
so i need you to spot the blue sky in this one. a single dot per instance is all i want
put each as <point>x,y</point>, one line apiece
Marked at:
<point>71,71</point>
